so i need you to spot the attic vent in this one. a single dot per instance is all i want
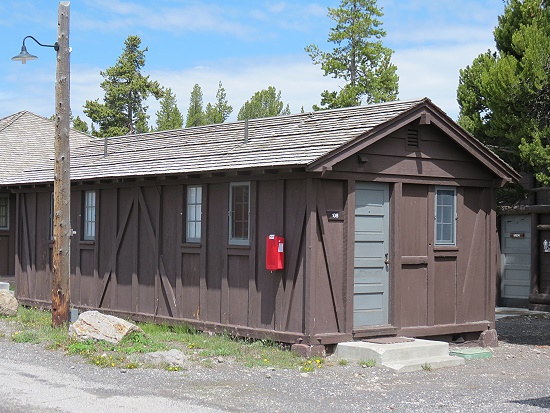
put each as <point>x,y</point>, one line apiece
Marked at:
<point>412,138</point>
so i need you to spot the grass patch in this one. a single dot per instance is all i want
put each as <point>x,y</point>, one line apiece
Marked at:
<point>31,325</point>
<point>367,363</point>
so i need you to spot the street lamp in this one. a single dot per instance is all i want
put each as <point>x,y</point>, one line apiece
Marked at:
<point>24,55</point>
<point>62,181</point>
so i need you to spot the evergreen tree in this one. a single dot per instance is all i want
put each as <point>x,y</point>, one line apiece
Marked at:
<point>80,125</point>
<point>220,111</point>
<point>126,89</point>
<point>503,95</point>
<point>195,113</point>
<point>359,57</point>
<point>169,116</point>
<point>263,104</point>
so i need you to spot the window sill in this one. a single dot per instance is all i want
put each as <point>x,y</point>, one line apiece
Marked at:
<point>87,242</point>
<point>450,251</point>
<point>191,245</point>
<point>445,248</point>
<point>246,247</point>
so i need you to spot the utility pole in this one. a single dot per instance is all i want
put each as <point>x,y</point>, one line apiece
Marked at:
<point>62,180</point>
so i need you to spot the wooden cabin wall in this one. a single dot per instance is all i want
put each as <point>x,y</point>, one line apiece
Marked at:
<point>7,240</point>
<point>34,255</point>
<point>329,278</point>
<point>443,286</point>
<point>140,265</point>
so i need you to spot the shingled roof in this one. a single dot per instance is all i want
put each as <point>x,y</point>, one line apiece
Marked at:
<point>299,140</point>
<point>27,140</point>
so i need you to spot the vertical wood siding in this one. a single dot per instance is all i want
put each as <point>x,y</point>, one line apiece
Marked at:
<point>141,264</point>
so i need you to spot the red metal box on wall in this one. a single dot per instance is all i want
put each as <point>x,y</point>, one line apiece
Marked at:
<point>274,253</point>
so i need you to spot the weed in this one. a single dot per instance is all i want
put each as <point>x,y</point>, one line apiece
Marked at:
<point>311,365</point>
<point>343,362</point>
<point>25,337</point>
<point>83,348</point>
<point>426,367</point>
<point>367,363</point>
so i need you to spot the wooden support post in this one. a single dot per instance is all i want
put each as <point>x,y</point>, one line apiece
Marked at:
<point>62,182</point>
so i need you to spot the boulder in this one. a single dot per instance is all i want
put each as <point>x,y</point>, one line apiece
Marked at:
<point>97,326</point>
<point>8,303</point>
<point>164,358</point>
<point>488,338</point>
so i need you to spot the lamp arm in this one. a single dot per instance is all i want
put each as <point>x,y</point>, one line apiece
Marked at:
<point>55,45</point>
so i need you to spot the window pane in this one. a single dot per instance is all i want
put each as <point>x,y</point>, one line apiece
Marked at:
<point>89,215</point>
<point>4,211</point>
<point>193,216</point>
<point>445,223</point>
<point>240,209</point>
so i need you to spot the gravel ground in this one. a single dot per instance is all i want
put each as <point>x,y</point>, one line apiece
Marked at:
<point>515,379</point>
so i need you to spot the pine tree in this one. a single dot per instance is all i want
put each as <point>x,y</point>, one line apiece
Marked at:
<point>359,57</point>
<point>504,95</point>
<point>126,89</point>
<point>80,125</point>
<point>263,104</point>
<point>169,116</point>
<point>220,111</point>
<point>195,113</point>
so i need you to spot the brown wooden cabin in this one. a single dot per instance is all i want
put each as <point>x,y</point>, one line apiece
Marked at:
<point>387,213</point>
<point>26,139</point>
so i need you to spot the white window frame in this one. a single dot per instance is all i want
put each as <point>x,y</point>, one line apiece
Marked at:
<point>232,238</point>
<point>90,215</point>
<point>193,216</point>
<point>444,217</point>
<point>5,212</point>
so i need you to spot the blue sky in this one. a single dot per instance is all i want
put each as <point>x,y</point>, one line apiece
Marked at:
<point>247,45</point>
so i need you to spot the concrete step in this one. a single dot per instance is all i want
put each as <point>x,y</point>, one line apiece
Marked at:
<point>427,363</point>
<point>400,356</point>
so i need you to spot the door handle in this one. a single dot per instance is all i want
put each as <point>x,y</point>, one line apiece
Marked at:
<point>386,261</point>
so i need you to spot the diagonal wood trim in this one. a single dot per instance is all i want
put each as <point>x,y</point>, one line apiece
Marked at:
<point>144,208</point>
<point>108,273</point>
<point>473,254</point>
<point>294,264</point>
<point>148,223</point>
<point>327,253</point>
<point>165,283</point>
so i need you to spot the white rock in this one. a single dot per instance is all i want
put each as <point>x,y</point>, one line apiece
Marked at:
<point>158,358</point>
<point>97,326</point>
<point>8,303</point>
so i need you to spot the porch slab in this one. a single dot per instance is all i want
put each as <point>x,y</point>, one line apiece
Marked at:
<point>401,357</point>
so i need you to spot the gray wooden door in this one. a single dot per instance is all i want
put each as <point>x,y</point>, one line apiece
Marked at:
<point>516,260</point>
<point>371,273</point>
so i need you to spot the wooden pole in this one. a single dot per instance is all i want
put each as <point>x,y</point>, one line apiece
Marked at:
<point>62,182</point>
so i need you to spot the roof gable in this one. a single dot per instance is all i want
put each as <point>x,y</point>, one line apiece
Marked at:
<point>426,113</point>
